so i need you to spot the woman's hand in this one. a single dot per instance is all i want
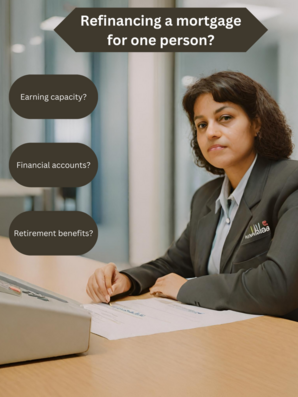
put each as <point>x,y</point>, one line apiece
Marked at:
<point>106,282</point>
<point>168,286</point>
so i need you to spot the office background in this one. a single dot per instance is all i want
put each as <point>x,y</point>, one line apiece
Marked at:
<point>140,198</point>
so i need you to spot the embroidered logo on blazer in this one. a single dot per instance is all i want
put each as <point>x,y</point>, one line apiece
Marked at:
<point>257,229</point>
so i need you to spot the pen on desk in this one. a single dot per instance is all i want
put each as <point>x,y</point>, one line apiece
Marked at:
<point>107,303</point>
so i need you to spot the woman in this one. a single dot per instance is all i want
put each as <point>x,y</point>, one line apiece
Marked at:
<point>241,241</point>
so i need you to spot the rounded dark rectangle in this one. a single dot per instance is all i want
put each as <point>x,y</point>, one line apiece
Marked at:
<point>53,164</point>
<point>53,233</point>
<point>61,96</point>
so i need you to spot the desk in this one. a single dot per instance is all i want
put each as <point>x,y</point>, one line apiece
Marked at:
<point>257,357</point>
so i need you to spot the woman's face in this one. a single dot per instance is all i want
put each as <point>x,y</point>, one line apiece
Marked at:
<point>225,133</point>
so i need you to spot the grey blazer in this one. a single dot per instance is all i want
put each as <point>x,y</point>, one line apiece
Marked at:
<point>259,262</point>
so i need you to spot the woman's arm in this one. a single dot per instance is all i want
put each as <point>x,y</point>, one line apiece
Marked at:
<point>272,287</point>
<point>107,281</point>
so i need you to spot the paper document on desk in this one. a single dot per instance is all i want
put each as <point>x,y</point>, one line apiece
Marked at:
<point>152,316</point>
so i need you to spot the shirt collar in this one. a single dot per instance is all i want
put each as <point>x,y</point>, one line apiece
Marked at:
<point>236,194</point>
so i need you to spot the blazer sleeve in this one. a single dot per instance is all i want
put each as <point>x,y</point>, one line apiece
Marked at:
<point>175,260</point>
<point>272,287</point>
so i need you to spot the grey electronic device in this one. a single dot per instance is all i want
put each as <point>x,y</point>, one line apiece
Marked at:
<point>36,323</point>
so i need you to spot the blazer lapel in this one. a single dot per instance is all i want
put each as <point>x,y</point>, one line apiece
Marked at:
<point>205,233</point>
<point>252,195</point>
<point>240,223</point>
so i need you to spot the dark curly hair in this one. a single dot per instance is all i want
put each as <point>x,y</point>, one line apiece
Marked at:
<point>273,140</point>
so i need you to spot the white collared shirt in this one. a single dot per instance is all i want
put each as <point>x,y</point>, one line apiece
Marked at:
<point>226,217</point>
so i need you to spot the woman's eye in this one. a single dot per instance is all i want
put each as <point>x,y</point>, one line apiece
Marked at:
<point>225,117</point>
<point>201,126</point>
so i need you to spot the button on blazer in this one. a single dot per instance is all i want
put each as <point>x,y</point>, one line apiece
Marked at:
<point>259,262</point>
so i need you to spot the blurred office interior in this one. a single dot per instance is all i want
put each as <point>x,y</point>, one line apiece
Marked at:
<point>140,197</point>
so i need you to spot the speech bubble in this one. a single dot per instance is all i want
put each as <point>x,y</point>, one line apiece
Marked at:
<point>160,29</point>
<point>53,233</point>
<point>61,96</point>
<point>53,164</point>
